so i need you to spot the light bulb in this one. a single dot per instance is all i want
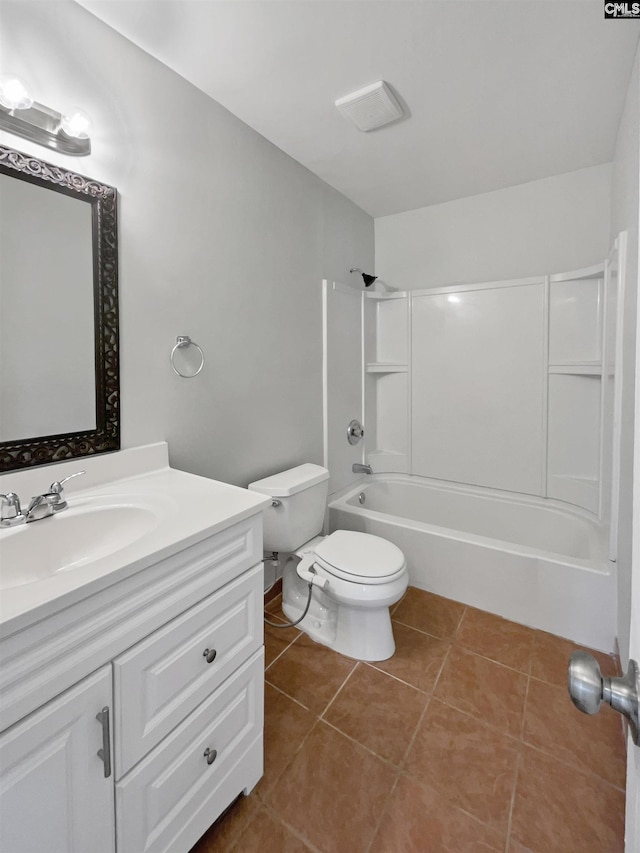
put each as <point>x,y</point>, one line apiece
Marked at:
<point>77,124</point>
<point>14,93</point>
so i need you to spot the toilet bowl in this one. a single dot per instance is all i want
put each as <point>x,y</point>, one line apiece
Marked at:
<point>353,577</point>
<point>360,577</point>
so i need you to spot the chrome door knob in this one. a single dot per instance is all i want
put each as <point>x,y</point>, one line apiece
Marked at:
<point>585,683</point>
<point>589,689</point>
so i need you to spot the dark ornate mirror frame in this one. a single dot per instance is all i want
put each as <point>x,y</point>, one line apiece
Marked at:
<point>103,200</point>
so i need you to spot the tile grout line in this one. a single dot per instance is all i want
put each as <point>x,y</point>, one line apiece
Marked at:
<point>481,721</point>
<point>269,792</point>
<point>470,651</point>
<point>440,671</point>
<point>234,846</point>
<point>513,801</point>
<point>278,656</point>
<point>338,691</point>
<point>372,665</point>
<point>425,633</point>
<point>385,809</point>
<point>297,701</point>
<point>525,708</point>
<point>412,740</point>
<point>519,758</point>
<point>273,814</point>
<point>387,761</point>
<point>547,752</point>
<point>576,767</point>
<point>288,764</point>
<point>426,786</point>
<point>383,812</point>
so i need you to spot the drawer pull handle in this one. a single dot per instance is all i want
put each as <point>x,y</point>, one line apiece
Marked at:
<point>105,753</point>
<point>210,655</point>
<point>210,755</point>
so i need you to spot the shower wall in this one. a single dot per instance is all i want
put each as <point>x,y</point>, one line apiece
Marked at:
<point>477,383</point>
<point>505,385</point>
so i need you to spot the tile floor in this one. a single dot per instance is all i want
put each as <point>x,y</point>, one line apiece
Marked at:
<point>464,741</point>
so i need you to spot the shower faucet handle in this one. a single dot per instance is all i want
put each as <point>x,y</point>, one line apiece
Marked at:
<point>355,431</point>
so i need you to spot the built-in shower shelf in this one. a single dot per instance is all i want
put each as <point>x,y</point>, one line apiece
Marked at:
<point>585,368</point>
<point>386,367</point>
<point>391,294</point>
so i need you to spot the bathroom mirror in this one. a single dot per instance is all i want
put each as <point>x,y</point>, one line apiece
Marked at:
<point>59,383</point>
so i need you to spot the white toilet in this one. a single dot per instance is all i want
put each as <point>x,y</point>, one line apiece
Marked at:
<point>356,577</point>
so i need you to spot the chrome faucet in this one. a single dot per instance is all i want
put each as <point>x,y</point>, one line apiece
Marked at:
<point>10,510</point>
<point>357,468</point>
<point>40,506</point>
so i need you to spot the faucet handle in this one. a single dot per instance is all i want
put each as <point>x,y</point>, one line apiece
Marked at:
<point>56,486</point>
<point>10,510</point>
<point>57,498</point>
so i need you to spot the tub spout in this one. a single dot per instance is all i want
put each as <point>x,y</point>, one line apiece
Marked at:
<point>357,468</point>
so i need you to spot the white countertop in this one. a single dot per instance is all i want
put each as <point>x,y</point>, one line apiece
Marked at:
<point>177,509</point>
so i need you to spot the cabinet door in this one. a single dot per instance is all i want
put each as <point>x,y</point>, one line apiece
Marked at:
<point>53,792</point>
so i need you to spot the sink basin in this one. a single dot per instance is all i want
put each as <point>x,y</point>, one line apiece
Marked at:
<point>71,539</point>
<point>134,512</point>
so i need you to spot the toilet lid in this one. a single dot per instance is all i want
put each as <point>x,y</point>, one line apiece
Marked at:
<point>360,557</point>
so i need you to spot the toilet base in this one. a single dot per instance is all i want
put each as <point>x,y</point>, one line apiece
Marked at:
<point>360,632</point>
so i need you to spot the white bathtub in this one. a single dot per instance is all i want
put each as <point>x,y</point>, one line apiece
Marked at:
<point>535,561</point>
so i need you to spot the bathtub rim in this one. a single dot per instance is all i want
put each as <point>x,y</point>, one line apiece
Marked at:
<point>598,565</point>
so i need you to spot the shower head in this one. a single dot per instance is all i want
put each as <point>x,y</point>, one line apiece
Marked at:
<point>368,279</point>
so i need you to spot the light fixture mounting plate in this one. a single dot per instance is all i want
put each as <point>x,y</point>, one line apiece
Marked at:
<point>42,125</point>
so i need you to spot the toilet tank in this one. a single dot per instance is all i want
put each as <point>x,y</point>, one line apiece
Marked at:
<point>299,515</point>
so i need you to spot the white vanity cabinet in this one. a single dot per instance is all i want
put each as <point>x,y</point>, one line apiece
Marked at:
<point>54,794</point>
<point>191,696</point>
<point>175,651</point>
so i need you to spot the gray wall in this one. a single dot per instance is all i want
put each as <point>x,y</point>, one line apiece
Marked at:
<point>552,225</point>
<point>222,237</point>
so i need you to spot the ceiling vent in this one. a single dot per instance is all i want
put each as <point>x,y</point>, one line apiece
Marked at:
<point>371,107</point>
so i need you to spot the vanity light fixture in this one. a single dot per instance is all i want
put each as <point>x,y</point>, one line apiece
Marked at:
<point>20,114</point>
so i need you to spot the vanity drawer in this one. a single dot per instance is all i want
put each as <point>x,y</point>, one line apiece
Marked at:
<point>171,798</point>
<point>159,681</point>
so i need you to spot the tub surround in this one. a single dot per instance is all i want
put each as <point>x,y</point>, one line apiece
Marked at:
<point>496,400</point>
<point>139,682</point>
<point>536,562</point>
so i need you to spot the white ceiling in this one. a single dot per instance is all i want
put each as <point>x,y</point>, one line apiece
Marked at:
<point>499,92</point>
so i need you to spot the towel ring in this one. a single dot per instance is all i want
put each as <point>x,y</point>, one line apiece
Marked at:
<point>185,341</point>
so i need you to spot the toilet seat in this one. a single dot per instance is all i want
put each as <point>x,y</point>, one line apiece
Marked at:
<point>360,557</point>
